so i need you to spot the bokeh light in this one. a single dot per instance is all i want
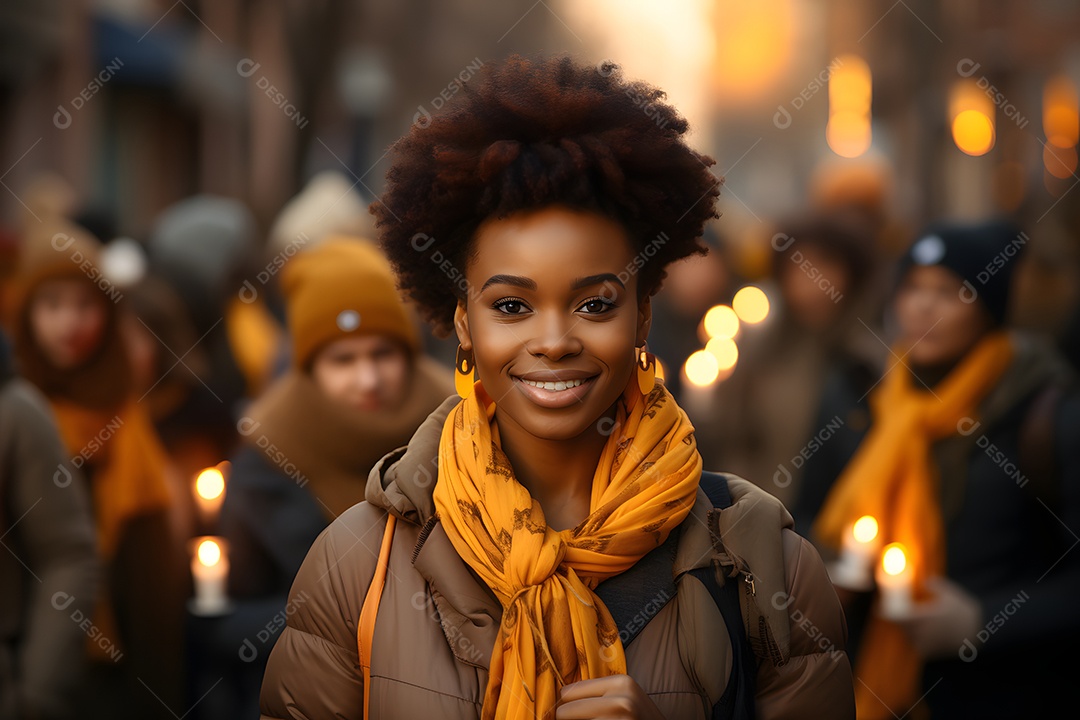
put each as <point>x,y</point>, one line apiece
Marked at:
<point>973,132</point>
<point>721,321</point>
<point>725,351</point>
<point>701,368</point>
<point>1061,112</point>
<point>848,131</point>
<point>751,304</point>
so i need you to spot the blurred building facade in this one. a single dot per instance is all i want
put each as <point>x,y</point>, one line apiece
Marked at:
<point>139,103</point>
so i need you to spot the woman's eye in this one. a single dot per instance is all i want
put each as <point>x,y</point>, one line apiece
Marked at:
<point>510,306</point>
<point>595,306</point>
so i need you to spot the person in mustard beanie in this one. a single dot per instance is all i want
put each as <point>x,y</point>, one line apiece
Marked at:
<point>65,324</point>
<point>344,288</point>
<point>357,389</point>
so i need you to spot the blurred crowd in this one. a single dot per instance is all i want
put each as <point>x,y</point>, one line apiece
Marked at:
<point>890,378</point>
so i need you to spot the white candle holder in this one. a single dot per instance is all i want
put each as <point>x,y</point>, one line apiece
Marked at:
<point>895,581</point>
<point>210,571</point>
<point>854,569</point>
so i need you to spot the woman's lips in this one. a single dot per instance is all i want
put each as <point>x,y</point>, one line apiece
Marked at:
<point>563,393</point>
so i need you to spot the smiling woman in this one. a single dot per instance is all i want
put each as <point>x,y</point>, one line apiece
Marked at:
<point>571,543</point>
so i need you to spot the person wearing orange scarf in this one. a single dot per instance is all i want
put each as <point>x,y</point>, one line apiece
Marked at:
<point>953,372</point>
<point>65,327</point>
<point>544,577</point>
<point>534,219</point>
<point>358,386</point>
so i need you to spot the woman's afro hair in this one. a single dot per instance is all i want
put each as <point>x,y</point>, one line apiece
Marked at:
<point>527,134</point>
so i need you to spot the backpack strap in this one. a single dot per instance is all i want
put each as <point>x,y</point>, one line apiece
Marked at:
<point>737,702</point>
<point>716,489</point>
<point>636,596</point>
<point>365,627</point>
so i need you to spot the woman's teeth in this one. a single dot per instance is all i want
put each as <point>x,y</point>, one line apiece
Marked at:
<point>556,386</point>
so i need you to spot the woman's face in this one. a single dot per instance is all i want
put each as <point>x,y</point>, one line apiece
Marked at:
<point>552,318</point>
<point>363,372</point>
<point>938,325</point>
<point>812,286</point>
<point>67,320</point>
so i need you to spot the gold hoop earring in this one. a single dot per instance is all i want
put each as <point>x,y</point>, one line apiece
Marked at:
<point>463,373</point>
<point>646,370</point>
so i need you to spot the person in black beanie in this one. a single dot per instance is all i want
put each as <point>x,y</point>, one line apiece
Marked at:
<point>980,425</point>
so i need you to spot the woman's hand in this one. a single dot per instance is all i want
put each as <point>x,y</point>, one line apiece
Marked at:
<point>938,627</point>
<point>616,697</point>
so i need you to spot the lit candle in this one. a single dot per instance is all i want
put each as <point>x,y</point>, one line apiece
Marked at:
<point>209,493</point>
<point>894,579</point>
<point>210,570</point>
<point>854,569</point>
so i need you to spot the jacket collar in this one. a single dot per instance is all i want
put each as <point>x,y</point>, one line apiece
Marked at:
<point>402,483</point>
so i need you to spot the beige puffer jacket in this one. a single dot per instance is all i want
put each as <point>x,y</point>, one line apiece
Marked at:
<point>437,621</point>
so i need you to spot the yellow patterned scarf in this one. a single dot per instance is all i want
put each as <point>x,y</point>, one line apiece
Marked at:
<point>892,478</point>
<point>555,630</point>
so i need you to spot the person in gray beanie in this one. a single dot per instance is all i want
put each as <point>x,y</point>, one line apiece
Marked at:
<point>971,461</point>
<point>983,255</point>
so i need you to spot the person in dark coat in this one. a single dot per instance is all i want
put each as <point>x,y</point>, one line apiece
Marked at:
<point>773,411</point>
<point>65,324</point>
<point>358,388</point>
<point>972,463</point>
<point>50,571</point>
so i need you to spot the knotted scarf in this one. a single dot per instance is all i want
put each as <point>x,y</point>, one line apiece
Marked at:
<point>555,630</point>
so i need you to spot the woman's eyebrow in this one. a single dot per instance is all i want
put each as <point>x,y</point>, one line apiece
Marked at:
<point>596,280</point>
<point>515,280</point>
<point>530,284</point>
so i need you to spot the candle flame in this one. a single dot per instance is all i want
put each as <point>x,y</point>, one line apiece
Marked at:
<point>894,560</point>
<point>866,529</point>
<point>210,484</point>
<point>209,553</point>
